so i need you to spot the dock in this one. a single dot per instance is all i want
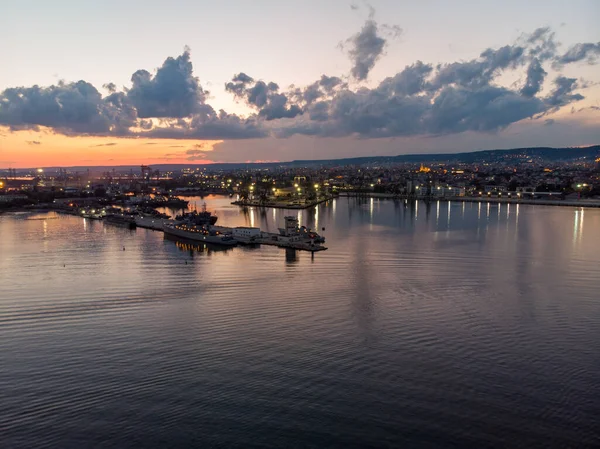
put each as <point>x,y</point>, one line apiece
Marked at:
<point>249,236</point>
<point>292,236</point>
<point>289,237</point>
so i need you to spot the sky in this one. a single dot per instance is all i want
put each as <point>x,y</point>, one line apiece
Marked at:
<point>111,83</point>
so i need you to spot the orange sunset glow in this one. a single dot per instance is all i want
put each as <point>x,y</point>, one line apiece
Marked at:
<point>43,148</point>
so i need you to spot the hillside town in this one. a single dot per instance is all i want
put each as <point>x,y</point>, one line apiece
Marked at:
<point>527,178</point>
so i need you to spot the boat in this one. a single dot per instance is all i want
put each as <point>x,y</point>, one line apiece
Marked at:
<point>198,233</point>
<point>203,218</point>
<point>120,220</point>
<point>151,222</point>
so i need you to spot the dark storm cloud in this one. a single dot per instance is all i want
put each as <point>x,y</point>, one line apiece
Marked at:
<point>173,92</point>
<point>265,97</point>
<point>579,52</point>
<point>535,78</point>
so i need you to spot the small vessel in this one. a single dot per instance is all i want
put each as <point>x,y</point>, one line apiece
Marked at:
<point>120,220</point>
<point>199,233</point>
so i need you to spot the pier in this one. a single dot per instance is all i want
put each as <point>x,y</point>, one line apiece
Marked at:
<point>289,237</point>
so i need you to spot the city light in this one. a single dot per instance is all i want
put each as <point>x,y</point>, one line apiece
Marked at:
<point>40,170</point>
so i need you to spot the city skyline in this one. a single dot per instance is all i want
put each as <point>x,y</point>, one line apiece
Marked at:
<point>366,79</point>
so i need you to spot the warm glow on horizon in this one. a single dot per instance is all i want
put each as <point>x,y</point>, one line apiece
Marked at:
<point>44,148</point>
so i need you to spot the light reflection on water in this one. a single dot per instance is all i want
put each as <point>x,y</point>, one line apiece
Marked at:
<point>411,330</point>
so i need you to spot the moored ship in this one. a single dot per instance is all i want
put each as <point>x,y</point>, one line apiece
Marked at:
<point>199,233</point>
<point>203,218</point>
<point>120,220</point>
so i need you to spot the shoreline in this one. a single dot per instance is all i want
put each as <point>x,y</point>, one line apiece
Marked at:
<point>280,205</point>
<point>470,199</point>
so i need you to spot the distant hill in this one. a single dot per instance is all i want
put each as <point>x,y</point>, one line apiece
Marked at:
<point>543,153</point>
<point>539,153</point>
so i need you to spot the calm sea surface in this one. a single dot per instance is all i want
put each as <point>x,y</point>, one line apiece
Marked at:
<point>453,325</point>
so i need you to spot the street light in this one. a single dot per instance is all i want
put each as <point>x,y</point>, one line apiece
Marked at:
<point>316,186</point>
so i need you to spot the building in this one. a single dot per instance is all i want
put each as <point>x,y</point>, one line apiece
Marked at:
<point>245,233</point>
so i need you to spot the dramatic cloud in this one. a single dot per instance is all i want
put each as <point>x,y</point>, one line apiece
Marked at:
<point>479,72</point>
<point>562,94</point>
<point>321,88</point>
<point>535,78</point>
<point>172,92</point>
<point>579,52</point>
<point>423,99</point>
<point>263,96</point>
<point>70,108</point>
<point>366,47</point>
<point>540,44</point>
<point>209,125</point>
